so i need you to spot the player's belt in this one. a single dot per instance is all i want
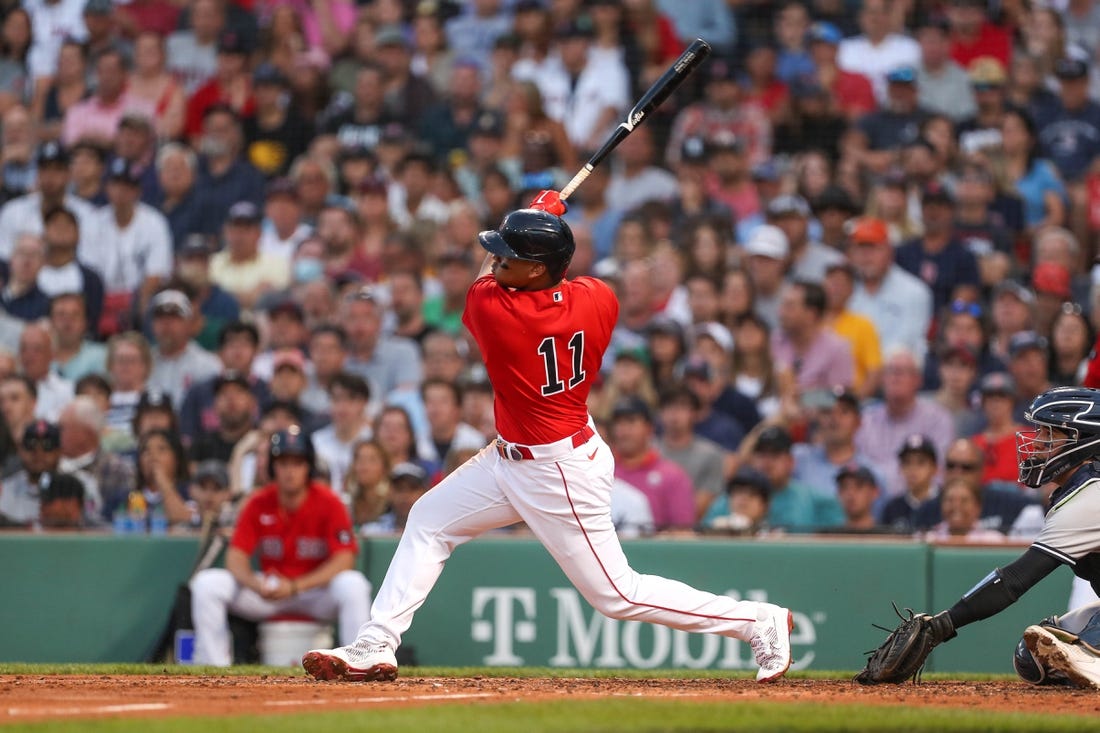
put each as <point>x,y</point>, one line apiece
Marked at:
<point>516,452</point>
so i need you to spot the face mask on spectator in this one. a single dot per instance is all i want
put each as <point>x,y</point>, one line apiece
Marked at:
<point>308,269</point>
<point>209,145</point>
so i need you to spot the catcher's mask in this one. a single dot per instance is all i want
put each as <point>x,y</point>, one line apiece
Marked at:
<point>1066,434</point>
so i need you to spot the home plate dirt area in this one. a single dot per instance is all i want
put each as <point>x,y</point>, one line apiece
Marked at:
<point>25,698</point>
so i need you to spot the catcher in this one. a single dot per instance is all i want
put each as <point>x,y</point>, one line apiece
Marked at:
<point>1063,448</point>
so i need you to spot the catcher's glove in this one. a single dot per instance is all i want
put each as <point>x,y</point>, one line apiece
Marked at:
<point>901,656</point>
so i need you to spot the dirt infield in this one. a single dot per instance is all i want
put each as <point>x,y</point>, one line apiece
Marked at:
<point>26,698</point>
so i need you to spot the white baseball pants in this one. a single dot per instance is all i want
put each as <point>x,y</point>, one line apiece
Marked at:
<point>214,593</point>
<point>565,502</point>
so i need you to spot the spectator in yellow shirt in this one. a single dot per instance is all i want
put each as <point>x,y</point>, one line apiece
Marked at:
<point>241,268</point>
<point>857,330</point>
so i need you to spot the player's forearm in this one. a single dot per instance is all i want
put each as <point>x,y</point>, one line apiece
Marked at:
<point>1000,589</point>
<point>486,266</point>
<point>325,572</point>
<point>239,566</point>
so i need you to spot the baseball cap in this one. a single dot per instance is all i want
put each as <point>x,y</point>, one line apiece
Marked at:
<point>766,172</point>
<point>212,470</point>
<point>1069,68</point>
<point>917,443</point>
<point>902,75</point>
<point>390,36</point>
<point>41,434</point>
<point>936,193</point>
<point>373,185</point>
<point>716,332</point>
<point>825,32</point>
<point>1025,341</point>
<point>124,171</point>
<point>788,204</point>
<point>768,241</point>
<point>748,477</point>
<point>244,212</point>
<point>693,150</point>
<point>845,396</point>
<point>231,376</point>
<point>869,230</point>
<point>961,353</point>
<point>773,439</point>
<point>721,69</point>
<point>1015,289</point>
<point>282,187</point>
<point>987,71</point>
<point>268,73</point>
<point>291,358</point>
<point>233,42</point>
<point>632,407</point>
<point>51,152</point>
<point>1051,278</point>
<point>154,399</point>
<point>835,197</point>
<point>99,7</point>
<point>637,354</point>
<point>664,324</point>
<point>287,307</point>
<point>488,124</point>
<point>807,88</point>
<point>579,27</point>
<point>858,472</point>
<point>171,303</point>
<point>723,140</point>
<point>194,245</point>
<point>998,383</point>
<point>408,471</point>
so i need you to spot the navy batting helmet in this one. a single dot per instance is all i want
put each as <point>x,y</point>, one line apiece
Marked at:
<point>289,442</point>
<point>1074,411</point>
<point>533,235</point>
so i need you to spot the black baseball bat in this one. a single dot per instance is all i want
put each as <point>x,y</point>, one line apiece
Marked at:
<point>689,60</point>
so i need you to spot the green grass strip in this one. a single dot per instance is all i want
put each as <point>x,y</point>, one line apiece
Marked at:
<point>414,672</point>
<point>602,716</point>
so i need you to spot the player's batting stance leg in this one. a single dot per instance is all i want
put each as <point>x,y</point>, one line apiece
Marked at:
<point>543,339</point>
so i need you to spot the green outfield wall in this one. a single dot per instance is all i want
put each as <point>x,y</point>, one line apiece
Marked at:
<point>503,601</point>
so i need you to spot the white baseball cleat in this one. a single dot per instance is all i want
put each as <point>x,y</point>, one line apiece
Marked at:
<point>1059,651</point>
<point>771,642</point>
<point>352,664</point>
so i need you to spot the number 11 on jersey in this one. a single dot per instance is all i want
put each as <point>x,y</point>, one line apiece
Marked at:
<point>548,349</point>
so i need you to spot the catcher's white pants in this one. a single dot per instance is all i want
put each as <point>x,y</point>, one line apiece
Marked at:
<point>564,497</point>
<point>214,593</point>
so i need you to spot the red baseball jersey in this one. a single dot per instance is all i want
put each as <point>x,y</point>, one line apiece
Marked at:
<point>542,350</point>
<point>294,543</point>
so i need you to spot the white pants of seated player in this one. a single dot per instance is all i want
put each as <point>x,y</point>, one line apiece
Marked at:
<point>215,593</point>
<point>566,505</point>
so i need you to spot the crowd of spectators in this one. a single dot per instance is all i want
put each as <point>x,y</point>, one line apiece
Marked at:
<point>848,252</point>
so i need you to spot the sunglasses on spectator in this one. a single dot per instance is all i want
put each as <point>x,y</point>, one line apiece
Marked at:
<point>33,444</point>
<point>1071,309</point>
<point>959,466</point>
<point>364,293</point>
<point>963,306</point>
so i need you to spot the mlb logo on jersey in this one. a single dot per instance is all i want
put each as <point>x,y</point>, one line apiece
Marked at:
<point>557,296</point>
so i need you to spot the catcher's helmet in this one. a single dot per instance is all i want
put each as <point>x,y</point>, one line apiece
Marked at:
<point>534,235</point>
<point>289,442</point>
<point>1044,457</point>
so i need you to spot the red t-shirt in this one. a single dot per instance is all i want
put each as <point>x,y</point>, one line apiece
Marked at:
<point>853,93</point>
<point>991,41</point>
<point>542,350</point>
<point>294,543</point>
<point>206,97</point>
<point>1001,463</point>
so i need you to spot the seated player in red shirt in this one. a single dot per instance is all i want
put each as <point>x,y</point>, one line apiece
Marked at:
<point>307,554</point>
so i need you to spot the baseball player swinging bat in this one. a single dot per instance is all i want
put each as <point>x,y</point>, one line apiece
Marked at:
<point>689,60</point>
